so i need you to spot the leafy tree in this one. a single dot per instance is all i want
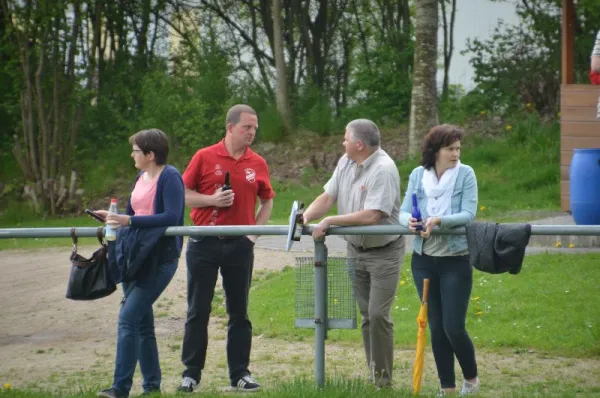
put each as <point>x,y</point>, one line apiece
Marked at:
<point>9,81</point>
<point>521,63</point>
<point>66,51</point>
<point>378,90</point>
<point>51,97</point>
<point>190,104</point>
<point>381,80</point>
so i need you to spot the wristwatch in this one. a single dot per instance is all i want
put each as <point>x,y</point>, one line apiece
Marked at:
<point>129,223</point>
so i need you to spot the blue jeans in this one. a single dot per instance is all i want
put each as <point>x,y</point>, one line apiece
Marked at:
<point>136,340</point>
<point>450,284</point>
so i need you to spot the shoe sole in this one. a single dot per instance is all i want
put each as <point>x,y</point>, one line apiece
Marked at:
<point>237,389</point>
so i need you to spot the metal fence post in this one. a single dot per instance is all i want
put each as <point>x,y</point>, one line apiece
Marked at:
<point>320,310</point>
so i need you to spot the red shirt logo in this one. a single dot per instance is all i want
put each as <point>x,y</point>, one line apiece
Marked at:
<point>250,175</point>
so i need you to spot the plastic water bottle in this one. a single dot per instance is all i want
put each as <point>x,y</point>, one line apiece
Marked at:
<point>111,229</point>
<point>416,213</point>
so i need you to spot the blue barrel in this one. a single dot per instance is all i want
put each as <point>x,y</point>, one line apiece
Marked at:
<point>585,186</point>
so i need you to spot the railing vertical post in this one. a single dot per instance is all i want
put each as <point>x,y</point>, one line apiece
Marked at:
<point>320,310</point>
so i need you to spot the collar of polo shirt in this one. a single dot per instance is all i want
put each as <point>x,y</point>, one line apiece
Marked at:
<point>367,162</point>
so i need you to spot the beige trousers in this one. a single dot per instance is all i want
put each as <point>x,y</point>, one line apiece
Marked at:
<point>375,274</point>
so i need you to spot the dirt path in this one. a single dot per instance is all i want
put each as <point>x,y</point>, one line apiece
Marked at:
<point>52,343</point>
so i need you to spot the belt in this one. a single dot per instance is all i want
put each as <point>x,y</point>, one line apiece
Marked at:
<point>369,249</point>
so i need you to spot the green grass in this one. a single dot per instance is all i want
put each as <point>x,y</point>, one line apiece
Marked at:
<point>549,307</point>
<point>547,312</point>
<point>297,388</point>
<point>287,193</point>
<point>519,171</point>
<point>341,388</point>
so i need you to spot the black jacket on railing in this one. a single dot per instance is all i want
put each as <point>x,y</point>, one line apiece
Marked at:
<point>497,248</point>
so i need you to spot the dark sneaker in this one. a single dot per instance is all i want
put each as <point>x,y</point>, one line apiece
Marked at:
<point>187,385</point>
<point>112,393</point>
<point>246,384</point>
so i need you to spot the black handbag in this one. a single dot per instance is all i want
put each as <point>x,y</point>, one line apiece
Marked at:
<point>90,279</point>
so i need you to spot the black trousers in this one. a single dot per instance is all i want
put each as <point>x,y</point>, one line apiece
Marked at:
<point>234,257</point>
<point>450,284</point>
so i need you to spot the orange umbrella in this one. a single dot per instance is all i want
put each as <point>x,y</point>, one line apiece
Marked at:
<point>421,340</point>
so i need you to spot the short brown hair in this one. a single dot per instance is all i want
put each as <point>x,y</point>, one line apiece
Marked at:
<point>234,114</point>
<point>438,137</point>
<point>152,140</point>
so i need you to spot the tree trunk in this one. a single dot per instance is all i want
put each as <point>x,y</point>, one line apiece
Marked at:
<point>423,109</point>
<point>281,88</point>
<point>142,36</point>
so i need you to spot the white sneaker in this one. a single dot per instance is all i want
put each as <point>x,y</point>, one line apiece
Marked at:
<point>187,385</point>
<point>469,388</point>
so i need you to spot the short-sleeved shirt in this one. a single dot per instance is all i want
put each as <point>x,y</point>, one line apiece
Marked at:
<point>372,185</point>
<point>249,179</point>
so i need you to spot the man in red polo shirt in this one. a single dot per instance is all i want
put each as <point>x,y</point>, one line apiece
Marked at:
<point>234,256</point>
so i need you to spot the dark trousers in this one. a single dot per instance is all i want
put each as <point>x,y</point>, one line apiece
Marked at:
<point>450,284</point>
<point>235,258</point>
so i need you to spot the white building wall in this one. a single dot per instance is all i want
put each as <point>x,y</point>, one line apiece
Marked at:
<point>474,19</point>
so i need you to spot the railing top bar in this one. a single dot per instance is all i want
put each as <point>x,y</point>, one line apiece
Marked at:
<point>235,230</point>
<point>582,230</point>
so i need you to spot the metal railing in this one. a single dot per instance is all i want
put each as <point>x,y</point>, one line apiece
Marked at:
<point>320,254</point>
<point>236,230</point>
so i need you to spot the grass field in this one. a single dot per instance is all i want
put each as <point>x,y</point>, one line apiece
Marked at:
<point>536,334</point>
<point>339,388</point>
<point>546,306</point>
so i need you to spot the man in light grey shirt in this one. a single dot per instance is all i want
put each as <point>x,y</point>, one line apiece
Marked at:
<point>366,187</point>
